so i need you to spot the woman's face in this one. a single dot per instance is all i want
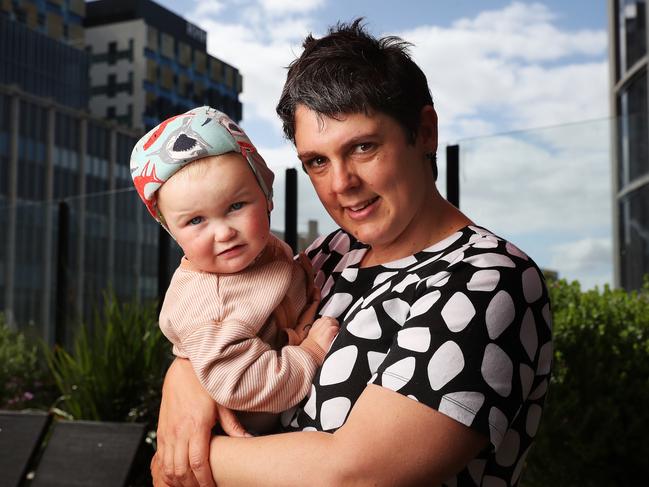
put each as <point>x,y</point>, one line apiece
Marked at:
<point>371,180</point>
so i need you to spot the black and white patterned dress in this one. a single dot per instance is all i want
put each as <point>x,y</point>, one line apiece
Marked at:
<point>463,326</point>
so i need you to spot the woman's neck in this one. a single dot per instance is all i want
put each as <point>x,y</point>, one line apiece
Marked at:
<point>440,220</point>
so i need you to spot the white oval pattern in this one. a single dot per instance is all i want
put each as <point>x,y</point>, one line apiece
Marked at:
<point>399,373</point>
<point>533,419</point>
<point>490,260</point>
<point>336,305</point>
<point>338,366</point>
<point>485,280</point>
<point>397,309</point>
<point>529,338</point>
<point>310,406</point>
<point>350,274</point>
<point>340,243</point>
<point>365,325</point>
<point>382,277</point>
<point>500,314</point>
<point>374,360</point>
<point>497,369</point>
<point>334,412</point>
<point>461,406</point>
<point>423,304</point>
<point>532,287</point>
<point>415,339</point>
<point>447,362</point>
<point>508,450</point>
<point>527,379</point>
<point>458,312</point>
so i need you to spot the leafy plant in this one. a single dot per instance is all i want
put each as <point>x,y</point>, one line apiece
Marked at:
<point>593,431</point>
<point>115,372</point>
<point>25,382</point>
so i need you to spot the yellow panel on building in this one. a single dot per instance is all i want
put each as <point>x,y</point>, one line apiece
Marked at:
<point>31,11</point>
<point>151,71</point>
<point>78,7</point>
<point>167,80</point>
<point>183,82</point>
<point>152,38</point>
<point>54,25</point>
<point>229,77</point>
<point>216,69</point>
<point>200,61</point>
<point>199,89</point>
<point>239,83</point>
<point>167,46</point>
<point>77,36</point>
<point>184,54</point>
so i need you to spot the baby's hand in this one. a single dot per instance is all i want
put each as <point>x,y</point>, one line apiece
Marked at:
<point>323,331</point>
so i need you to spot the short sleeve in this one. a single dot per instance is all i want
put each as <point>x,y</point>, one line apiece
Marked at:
<point>471,340</point>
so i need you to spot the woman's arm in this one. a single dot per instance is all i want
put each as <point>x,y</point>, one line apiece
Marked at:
<point>388,439</point>
<point>187,415</point>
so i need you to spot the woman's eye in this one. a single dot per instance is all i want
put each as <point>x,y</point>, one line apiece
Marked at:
<point>237,206</point>
<point>315,162</point>
<point>196,220</point>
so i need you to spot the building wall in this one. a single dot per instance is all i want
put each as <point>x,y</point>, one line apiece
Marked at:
<point>118,51</point>
<point>630,104</point>
<point>41,65</point>
<point>170,69</point>
<point>49,155</point>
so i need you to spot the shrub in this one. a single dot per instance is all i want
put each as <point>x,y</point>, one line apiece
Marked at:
<point>593,431</point>
<point>114,373</point>
<point>25,381</point>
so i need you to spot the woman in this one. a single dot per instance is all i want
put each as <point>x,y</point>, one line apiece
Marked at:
<point>440,369</point>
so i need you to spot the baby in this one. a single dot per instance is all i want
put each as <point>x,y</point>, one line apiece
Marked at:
<point>232,305</point>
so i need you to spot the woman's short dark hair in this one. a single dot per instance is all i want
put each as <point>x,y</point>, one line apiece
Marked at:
<point>350,71</point>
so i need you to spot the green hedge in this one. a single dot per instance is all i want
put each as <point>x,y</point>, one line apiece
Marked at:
<point>595,424</point>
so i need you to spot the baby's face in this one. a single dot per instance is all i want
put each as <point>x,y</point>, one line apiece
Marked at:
<point>218,214</point>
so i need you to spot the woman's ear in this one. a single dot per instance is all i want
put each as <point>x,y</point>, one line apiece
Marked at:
<point>428,128</point>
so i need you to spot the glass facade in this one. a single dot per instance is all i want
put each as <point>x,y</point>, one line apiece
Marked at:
<point>111,242</point>
<point>634,237</point>
<point>632,33</point>
<point>632,155</point>
<point>42,66</point>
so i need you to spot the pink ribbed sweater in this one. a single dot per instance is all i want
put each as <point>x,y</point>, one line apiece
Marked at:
<point>231,328</point>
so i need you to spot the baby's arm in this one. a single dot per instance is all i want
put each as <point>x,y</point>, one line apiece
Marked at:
<point>242,372</point>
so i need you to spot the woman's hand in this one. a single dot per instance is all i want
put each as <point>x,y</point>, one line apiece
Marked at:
<point>187,415</point>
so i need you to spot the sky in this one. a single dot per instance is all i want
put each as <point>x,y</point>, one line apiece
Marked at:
<point>522,86</point>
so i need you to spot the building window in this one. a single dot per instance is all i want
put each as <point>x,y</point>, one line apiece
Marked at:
<point>112,85</point>
<point>632,32</point>
<point>112,52</point>
<point>633,152</point>
<point>634,237</point>
<point>110,113</point>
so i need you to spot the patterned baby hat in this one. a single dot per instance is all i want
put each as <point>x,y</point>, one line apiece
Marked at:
<point>180,140</point>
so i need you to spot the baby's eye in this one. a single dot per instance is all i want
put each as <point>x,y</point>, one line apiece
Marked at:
<point>237,206</point>
<point>196,220</point>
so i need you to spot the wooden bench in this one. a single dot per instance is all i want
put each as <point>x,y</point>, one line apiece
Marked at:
<point>67,453</point>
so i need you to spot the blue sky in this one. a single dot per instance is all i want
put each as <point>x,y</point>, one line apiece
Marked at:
<point>494,67</point>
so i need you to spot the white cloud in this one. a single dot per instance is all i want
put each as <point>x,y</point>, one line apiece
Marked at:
<point>588,259</point>
<point>290,6</point>
<point>207,8</point>
<point>501,70</point>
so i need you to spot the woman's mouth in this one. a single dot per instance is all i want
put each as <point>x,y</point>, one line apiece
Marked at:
<point>362,209</point>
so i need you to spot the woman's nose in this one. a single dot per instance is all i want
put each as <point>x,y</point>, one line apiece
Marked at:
<point>344,177</point>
